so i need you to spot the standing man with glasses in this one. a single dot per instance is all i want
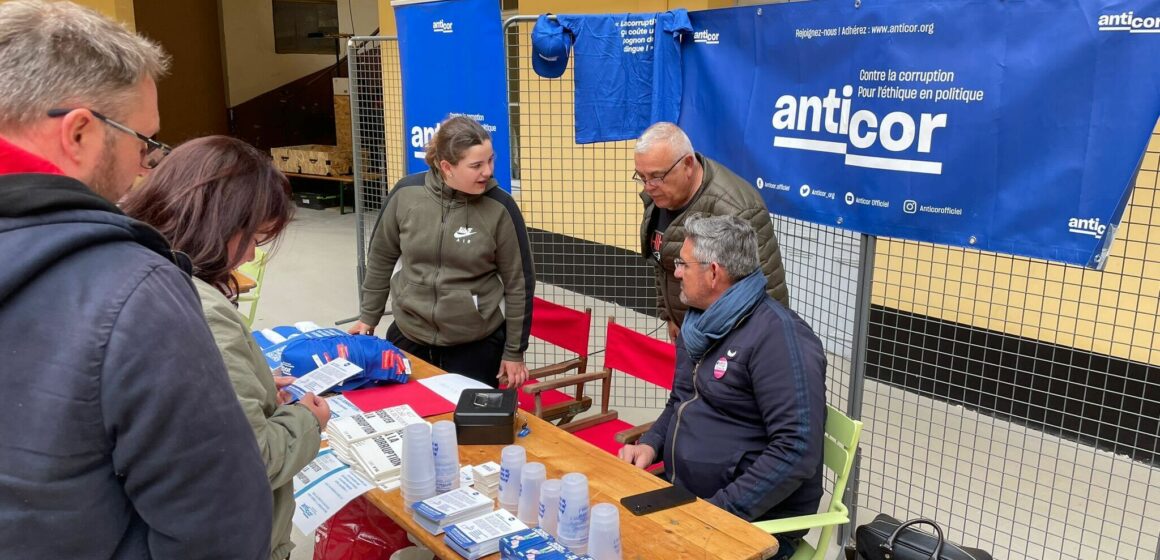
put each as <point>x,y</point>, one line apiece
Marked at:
<point>120,436</point>
<point>676,182</point>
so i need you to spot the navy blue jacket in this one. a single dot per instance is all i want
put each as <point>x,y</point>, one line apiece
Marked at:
<point>120,434</point>
<point>743,427</point>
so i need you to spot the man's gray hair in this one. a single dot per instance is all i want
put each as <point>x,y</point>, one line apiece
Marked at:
<point>61,55</point>
<point>664,133</point>
<point>726,240</point>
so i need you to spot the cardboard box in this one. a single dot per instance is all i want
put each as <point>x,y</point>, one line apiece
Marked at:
<point>343,129</point>
<point>312,159</point>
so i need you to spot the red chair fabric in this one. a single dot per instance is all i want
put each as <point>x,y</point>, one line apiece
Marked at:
<point>603,435</point>
<point>640,356</point>
<point>561,326</point>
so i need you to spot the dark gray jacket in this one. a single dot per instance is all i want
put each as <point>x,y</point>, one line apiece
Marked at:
<point>722,193</point>
<point>120,435</point>
<point>749,441</point>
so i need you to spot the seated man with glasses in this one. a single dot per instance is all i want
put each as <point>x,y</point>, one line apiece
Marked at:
<point>744,425</point>
<point>675,182</point>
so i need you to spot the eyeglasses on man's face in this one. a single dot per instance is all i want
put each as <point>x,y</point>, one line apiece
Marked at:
<point>151,154</point>
<point>657,180</point>
<point>679,263</point>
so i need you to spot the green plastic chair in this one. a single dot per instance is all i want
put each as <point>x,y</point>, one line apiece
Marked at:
<point>255,269</point>
<point>841,442</point>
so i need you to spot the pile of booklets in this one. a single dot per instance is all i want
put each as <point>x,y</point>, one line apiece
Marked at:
<point>535,544</point>
<point>372,443</point>
<point>476,538</point>
<point>461,504</point>
<point>485,479</point>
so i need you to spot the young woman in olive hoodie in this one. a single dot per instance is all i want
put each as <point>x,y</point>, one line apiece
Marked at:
<point>462,298</point>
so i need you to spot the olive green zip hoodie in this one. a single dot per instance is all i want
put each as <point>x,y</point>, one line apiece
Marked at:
<point>461,255</point>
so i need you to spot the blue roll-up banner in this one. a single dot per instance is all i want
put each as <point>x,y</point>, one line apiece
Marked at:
<point>1009,126</point>
<point>452,56</point>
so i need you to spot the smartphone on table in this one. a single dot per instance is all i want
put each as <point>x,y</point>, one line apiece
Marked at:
<point>657,500</point>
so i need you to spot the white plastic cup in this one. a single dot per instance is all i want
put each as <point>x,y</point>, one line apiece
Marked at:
<point>445,447</point>
<point>550,506</point>
<point>573,522</point>
<point>512,460</point>
<point>418,458</point>
<point>531,477</point>
<point>604,533</point>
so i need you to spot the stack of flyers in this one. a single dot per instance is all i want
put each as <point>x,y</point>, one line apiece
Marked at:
<point>362,426</point>
<point>340,407</point>
<point>476,538</point>
<point>485,478</point>
<point>372,443</point>
<point>435,514</point>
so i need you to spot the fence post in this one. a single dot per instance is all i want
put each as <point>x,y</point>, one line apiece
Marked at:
<point>866,251</point>
<point>352,52</point>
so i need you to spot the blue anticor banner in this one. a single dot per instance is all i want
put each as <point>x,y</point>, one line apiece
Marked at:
<point>452,59</point>
<point>1007,126</point>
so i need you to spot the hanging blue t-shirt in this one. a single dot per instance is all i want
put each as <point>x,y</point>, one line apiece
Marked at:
<point>627,72</point>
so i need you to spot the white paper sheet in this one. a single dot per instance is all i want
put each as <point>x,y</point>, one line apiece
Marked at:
<point>451,385</point>
<point>322,488</point>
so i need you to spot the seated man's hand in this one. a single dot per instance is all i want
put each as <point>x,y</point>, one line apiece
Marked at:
<point>640,455</point>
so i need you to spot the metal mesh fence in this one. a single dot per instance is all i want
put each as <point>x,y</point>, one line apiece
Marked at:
<point>1016,400</point>
<point>1013,400</point>
<point>582,213</point>
<point>376,91</point>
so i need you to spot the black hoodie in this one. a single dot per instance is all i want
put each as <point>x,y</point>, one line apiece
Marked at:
<point>120,435</point>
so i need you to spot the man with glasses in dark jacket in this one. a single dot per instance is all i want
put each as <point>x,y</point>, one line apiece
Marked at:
<point>120,436</point>
<point>744,425</point>
<point>676,182</point>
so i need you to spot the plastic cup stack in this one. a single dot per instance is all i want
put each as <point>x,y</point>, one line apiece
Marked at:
<point>573,522</point>
<point>446,450</point>
<point>550,506</point>
<point>511,464</point>
<point>604,533</point>
<point>418,479</point>
<point>531,477</point>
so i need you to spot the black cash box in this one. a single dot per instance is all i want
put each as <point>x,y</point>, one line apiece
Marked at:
<point>486,417</point>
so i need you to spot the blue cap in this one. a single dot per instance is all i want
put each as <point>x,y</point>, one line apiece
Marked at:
<point>550,46</point>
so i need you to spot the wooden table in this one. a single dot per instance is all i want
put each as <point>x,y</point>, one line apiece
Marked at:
<point>696,530</point>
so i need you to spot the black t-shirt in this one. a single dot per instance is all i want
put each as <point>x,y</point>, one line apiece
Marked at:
<point>661,220</point>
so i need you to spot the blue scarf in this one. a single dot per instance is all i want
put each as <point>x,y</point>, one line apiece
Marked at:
<point>702,328</point>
